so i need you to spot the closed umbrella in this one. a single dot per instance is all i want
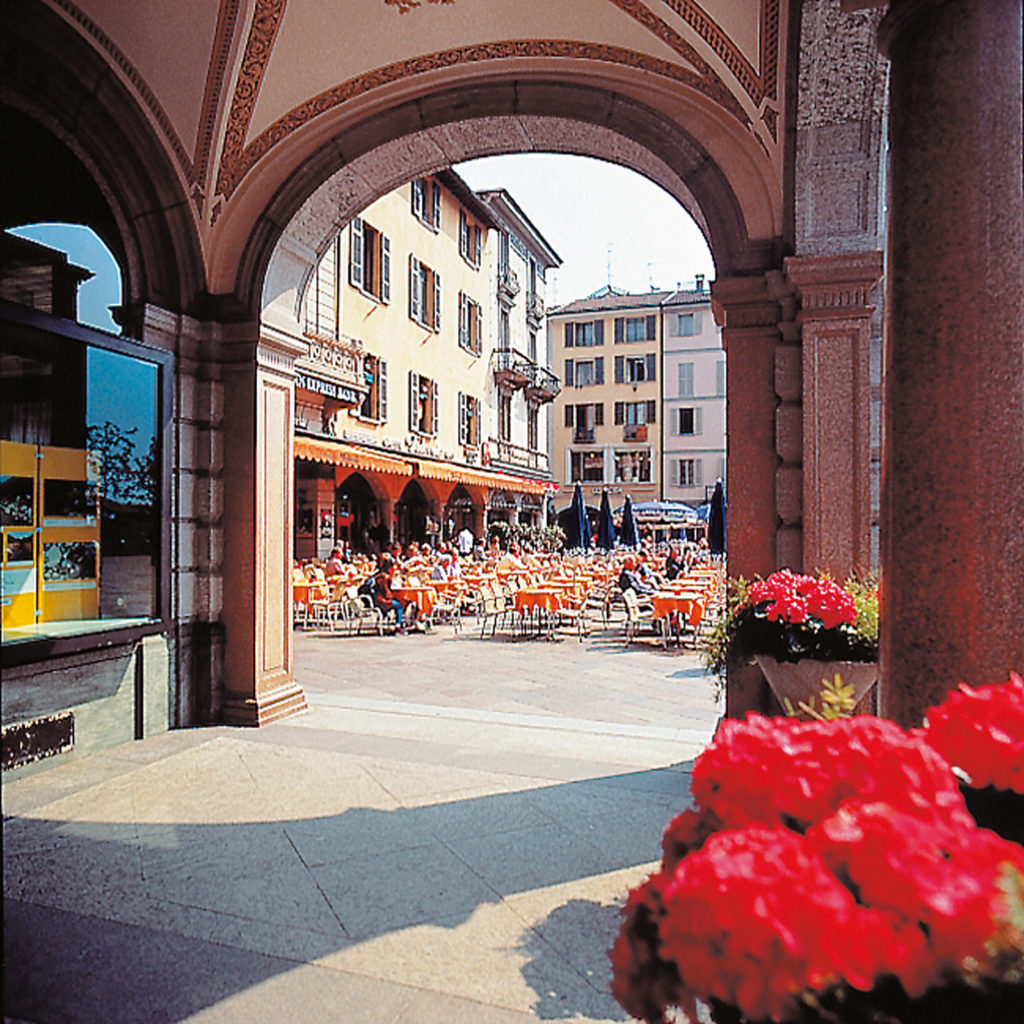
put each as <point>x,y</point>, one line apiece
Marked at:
<point>577,534</point>
<point>605,526</point>
<point>716,521</point>
<point>627,532</point>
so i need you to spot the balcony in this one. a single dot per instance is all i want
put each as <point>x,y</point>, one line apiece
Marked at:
<point>634,432</point>
<point>534,310</point>
<point>544,387</point>
<point>513,368</point>
<point>583,435</point>
<point>508,285</point>
<point>506,455</point>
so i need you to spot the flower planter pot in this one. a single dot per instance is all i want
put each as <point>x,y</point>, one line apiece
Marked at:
<point>798,681</point>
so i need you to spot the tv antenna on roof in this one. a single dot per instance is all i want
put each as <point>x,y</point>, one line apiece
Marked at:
<point>609,282</point>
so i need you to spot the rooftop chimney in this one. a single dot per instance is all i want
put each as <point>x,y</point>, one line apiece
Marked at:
<point>699,281</point>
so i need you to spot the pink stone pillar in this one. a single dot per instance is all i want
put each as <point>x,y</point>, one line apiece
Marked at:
<point>953,454</point>
<point>750,333</point>
<point>258,379</point>
<point>835,330</point>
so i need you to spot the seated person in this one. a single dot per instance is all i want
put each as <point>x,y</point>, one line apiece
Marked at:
<point>674,562</point>
<point>383,597</point>
<point>443,569</point>
<point>335,565</point>
<point>630,580</point>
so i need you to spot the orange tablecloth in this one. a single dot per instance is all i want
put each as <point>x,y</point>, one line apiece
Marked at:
<point>422,597</point>
<point>530,598</point>
<point>665,603</point>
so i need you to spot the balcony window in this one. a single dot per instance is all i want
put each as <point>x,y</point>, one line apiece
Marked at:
<point>635,369</point>
<point>426,202</point>
<point>636,413</point>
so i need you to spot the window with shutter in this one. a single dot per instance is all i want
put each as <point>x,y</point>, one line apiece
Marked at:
<point>435,207</point>
<point>569,419</point>
<point>477,243</point>
<point>436,319</point>
<point>599,414</point>
<point>620,369</point>
<point>599,332</point>
<point>417,198</point>
<point>478,324</point>
<point>433,408</point>
<point>414,401</point>
<point>463,234</point>
<point>599,370</point>
<point>686,380</point>
<point>652,328</point>
<point>568,336</point>
<point>415,297</point>
<point>619,414</point>
<point>355,253</point>
<point>652,411</point>
<point>385,269</point>
<point>382,394</point>
<point>652,362</point>
<point>568,373</point>
<point>462,419</point>
<point>620,333</point>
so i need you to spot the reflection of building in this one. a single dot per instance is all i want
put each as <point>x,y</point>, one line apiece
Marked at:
<point>420,403</point>
<point>693,397</point>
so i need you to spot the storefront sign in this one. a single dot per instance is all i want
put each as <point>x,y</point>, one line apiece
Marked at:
<point>328,388</point>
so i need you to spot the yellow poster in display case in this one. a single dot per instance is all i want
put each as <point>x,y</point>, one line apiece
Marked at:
<point>19,576</point>
<point>51,534</point>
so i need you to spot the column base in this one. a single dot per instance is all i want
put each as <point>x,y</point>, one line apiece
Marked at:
<point>264,708</point>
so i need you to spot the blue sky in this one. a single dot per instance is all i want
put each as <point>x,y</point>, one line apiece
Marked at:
<point>610,225</point>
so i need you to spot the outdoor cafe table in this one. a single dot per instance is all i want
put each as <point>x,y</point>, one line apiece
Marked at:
<point>680,602</point>
<point>537,605</point>
<point>421,596</point>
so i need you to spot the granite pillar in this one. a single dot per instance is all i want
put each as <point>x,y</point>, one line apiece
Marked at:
<point>258,379</point>
<point>953,455</point>
<point>835,293</point>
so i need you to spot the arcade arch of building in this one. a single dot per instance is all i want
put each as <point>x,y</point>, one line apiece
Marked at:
<point>215,280</point>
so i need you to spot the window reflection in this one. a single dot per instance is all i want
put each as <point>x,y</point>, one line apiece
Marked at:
<point>79,491</point>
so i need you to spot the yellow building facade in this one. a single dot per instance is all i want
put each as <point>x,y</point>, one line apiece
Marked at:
<point>404,410</point>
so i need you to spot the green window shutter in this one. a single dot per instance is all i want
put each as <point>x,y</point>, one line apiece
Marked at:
<point>652,364</point>
<point>568,336</point>
<point>620,369</point>
<point>652,411</point>
<point>599,370</point>
<point>433,407</point>
<point>414,394</point>
<point>620,415</point>
<point>568,373</point>
<point>652,329</point>
<point>435,209</point>
<point>437,302</point>
<point>599,332</point>
<point>620,330</point>
<point>382,390</point>
<point>478,318</point>
<point>568,415</point>
<point>599,414</point>
<point>415,301</point>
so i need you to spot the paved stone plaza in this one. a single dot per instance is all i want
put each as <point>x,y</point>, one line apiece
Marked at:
<point>445,836</point>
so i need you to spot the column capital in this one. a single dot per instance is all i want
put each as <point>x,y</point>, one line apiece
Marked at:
<point>744,304</point>
<point>836,285</point>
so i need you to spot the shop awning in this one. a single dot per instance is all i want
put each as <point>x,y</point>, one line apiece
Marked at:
<point>462,475</point>
<point>339,454</point>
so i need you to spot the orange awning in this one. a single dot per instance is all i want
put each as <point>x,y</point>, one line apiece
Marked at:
<point>339,454</point>
<point>496,481</point>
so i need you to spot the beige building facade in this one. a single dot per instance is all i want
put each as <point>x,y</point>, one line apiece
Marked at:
<point>607,417</point>
<point>418,404</point>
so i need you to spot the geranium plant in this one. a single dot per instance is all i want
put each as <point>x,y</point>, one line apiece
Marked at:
<point>828,871</point>
<point>791,616</point>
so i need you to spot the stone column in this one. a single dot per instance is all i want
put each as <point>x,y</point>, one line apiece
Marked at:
<point>258,379</point>
<point>749,318</point>
<point>953,462</point>
<point>835,327</point>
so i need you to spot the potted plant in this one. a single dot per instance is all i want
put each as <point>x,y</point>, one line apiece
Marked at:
<point>828,871</point>
<point>801,630</point>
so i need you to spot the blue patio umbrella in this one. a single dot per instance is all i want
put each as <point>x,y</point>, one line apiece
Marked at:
<point>605,526</point>
<point>577,534</point>
<point>716,521</point>
<point>627,531</point>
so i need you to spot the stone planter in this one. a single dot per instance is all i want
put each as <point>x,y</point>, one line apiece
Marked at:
<point>798,681</point>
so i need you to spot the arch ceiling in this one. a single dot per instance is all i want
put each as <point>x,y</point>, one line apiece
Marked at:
<point>258,102</point>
